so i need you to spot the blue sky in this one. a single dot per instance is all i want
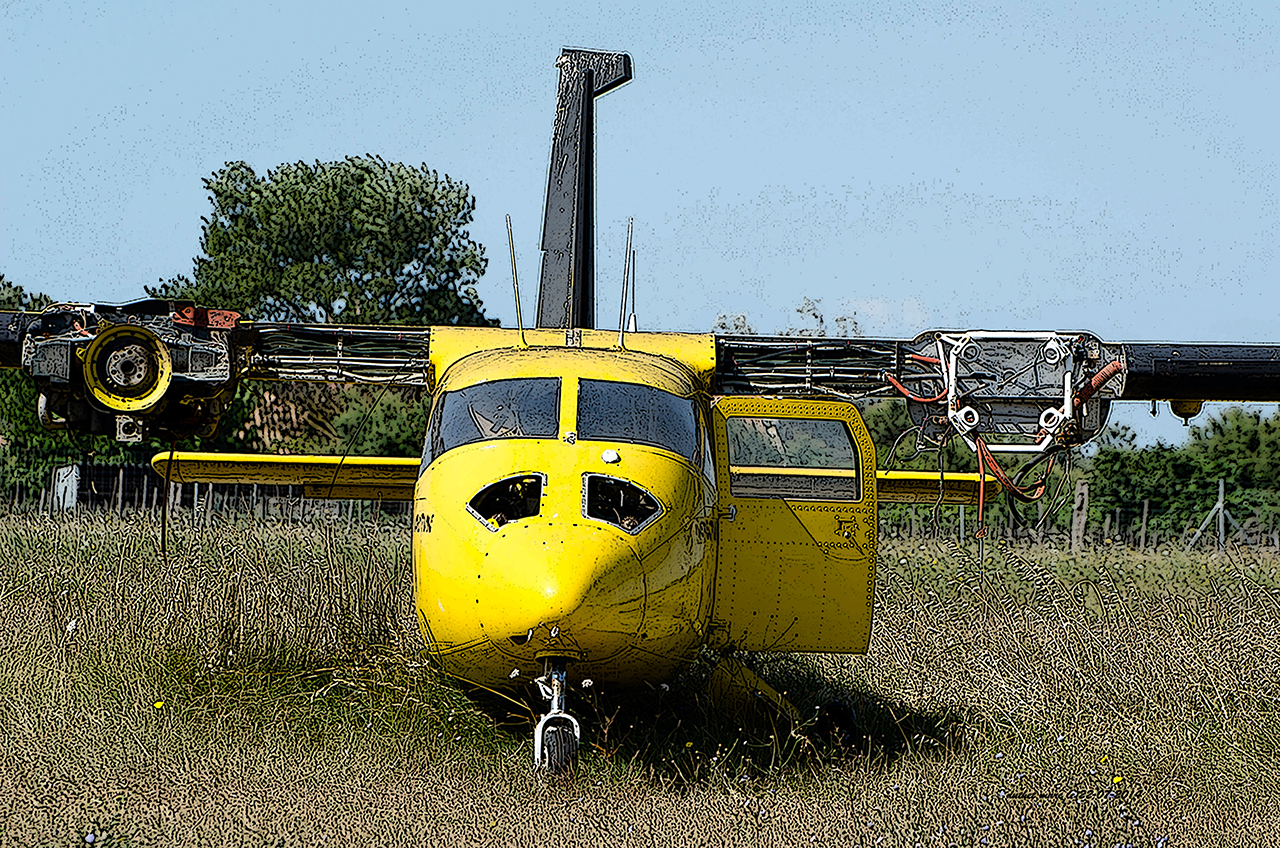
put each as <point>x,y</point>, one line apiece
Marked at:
<point>1068,166</point>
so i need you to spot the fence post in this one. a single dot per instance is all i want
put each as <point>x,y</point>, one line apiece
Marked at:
<point>1222,514</point>
<point>1146,503</point>
<point>961,522</point>
<point>1079,514</point>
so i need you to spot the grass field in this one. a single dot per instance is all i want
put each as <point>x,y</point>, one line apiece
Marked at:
<point>259,687</point>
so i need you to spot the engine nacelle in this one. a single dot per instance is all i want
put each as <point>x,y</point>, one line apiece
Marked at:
<point>150,368</point>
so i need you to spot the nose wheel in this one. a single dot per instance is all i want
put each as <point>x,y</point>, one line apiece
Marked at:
<point>557,734</point>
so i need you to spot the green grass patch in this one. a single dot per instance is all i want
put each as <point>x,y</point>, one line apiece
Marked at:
<point>262,683</point>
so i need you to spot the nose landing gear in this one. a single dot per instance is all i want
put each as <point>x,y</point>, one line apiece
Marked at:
<point>557,734</point>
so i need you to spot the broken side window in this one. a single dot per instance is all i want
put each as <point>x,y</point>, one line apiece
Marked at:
<point>509,499</point>
<point>618,502</point>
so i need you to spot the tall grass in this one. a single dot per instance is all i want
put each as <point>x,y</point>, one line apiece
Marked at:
<point>262,684</point>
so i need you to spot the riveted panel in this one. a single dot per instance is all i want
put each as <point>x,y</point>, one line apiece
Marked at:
<point>797,504</point>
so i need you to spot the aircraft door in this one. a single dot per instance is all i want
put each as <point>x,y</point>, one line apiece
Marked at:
<point>796,486</point>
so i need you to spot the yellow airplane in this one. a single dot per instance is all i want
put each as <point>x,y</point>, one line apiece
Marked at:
<point>608,504</point>
<point>594,506</point>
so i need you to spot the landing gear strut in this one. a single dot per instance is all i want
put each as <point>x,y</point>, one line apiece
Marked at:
<point>556,736</point>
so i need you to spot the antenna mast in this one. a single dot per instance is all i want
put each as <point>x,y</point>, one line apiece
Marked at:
<point>626,266</point>
<point>515,282</point>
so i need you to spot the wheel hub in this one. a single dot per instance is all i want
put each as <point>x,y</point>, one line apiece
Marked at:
<point>128,367</point>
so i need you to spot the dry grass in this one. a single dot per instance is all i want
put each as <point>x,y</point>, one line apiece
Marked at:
<point>1037,698</point>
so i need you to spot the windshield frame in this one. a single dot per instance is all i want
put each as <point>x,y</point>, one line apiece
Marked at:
<point>445,435</point>
<point>663,430</point>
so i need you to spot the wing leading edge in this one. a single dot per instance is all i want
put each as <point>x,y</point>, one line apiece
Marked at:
<point>354,477</point>
<point>393,478</point>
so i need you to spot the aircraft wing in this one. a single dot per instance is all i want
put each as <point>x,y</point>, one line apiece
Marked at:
<point>929,487</point>
<point>393,478</point>
<point>1009,391</point>
<point>167,369</point>
<point>355,477</point>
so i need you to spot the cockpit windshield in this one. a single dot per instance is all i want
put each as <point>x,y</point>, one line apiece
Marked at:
<point>500,409</point>
<point>629,412</point>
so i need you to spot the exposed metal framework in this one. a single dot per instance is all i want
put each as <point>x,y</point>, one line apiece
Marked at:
<point>1015,391</point>
<point>330,353</point>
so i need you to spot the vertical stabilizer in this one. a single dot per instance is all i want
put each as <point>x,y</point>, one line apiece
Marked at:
<point>566,293</point>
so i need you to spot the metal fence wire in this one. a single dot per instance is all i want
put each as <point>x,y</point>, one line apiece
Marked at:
<point>136,488</point>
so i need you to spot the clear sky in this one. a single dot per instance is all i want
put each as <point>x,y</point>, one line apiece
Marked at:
<point>1109,167</point>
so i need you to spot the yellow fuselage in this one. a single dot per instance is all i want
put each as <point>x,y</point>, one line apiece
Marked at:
<point>494,596</point>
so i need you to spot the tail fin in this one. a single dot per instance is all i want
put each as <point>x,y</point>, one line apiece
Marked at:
<point>566,294</point>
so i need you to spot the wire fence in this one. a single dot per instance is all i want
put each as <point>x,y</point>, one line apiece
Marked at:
<point>137,489</point>
<point>1076,525</point>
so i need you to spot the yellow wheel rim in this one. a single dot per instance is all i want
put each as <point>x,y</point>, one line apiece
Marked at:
<point>127,368</point>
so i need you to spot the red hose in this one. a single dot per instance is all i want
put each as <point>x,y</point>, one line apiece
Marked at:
<point>1099,380</point>
<point>907,392</point>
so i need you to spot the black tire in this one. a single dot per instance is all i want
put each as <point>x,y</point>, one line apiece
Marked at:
<point>559,748</point>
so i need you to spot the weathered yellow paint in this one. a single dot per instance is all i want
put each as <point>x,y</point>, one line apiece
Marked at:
<point>922,487</point>
<point>795,574</point>
<point>734,686</point>
<point>695,353</point>
<point>368,477</point>
<point>626,607</point>
<point>393,478</point>
<point>156,353</point>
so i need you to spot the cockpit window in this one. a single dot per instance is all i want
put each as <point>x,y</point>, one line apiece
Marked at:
<point>798,458</point>
<point>629,412</point>
<point>501,409</point>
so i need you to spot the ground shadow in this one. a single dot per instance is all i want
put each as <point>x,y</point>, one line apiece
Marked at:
<point>673,734</point>
<point>677,734</point>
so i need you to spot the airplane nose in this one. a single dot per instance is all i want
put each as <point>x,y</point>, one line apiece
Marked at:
<point>569,575</point>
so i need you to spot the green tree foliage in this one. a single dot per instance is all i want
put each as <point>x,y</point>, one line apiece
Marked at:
<point>20,431</point>
<point>889,424</point>
<point>15,299</point>
<point>359,241</point>
<point>1239,446</point>
<point>376,423</point>
<point>323,419</point>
